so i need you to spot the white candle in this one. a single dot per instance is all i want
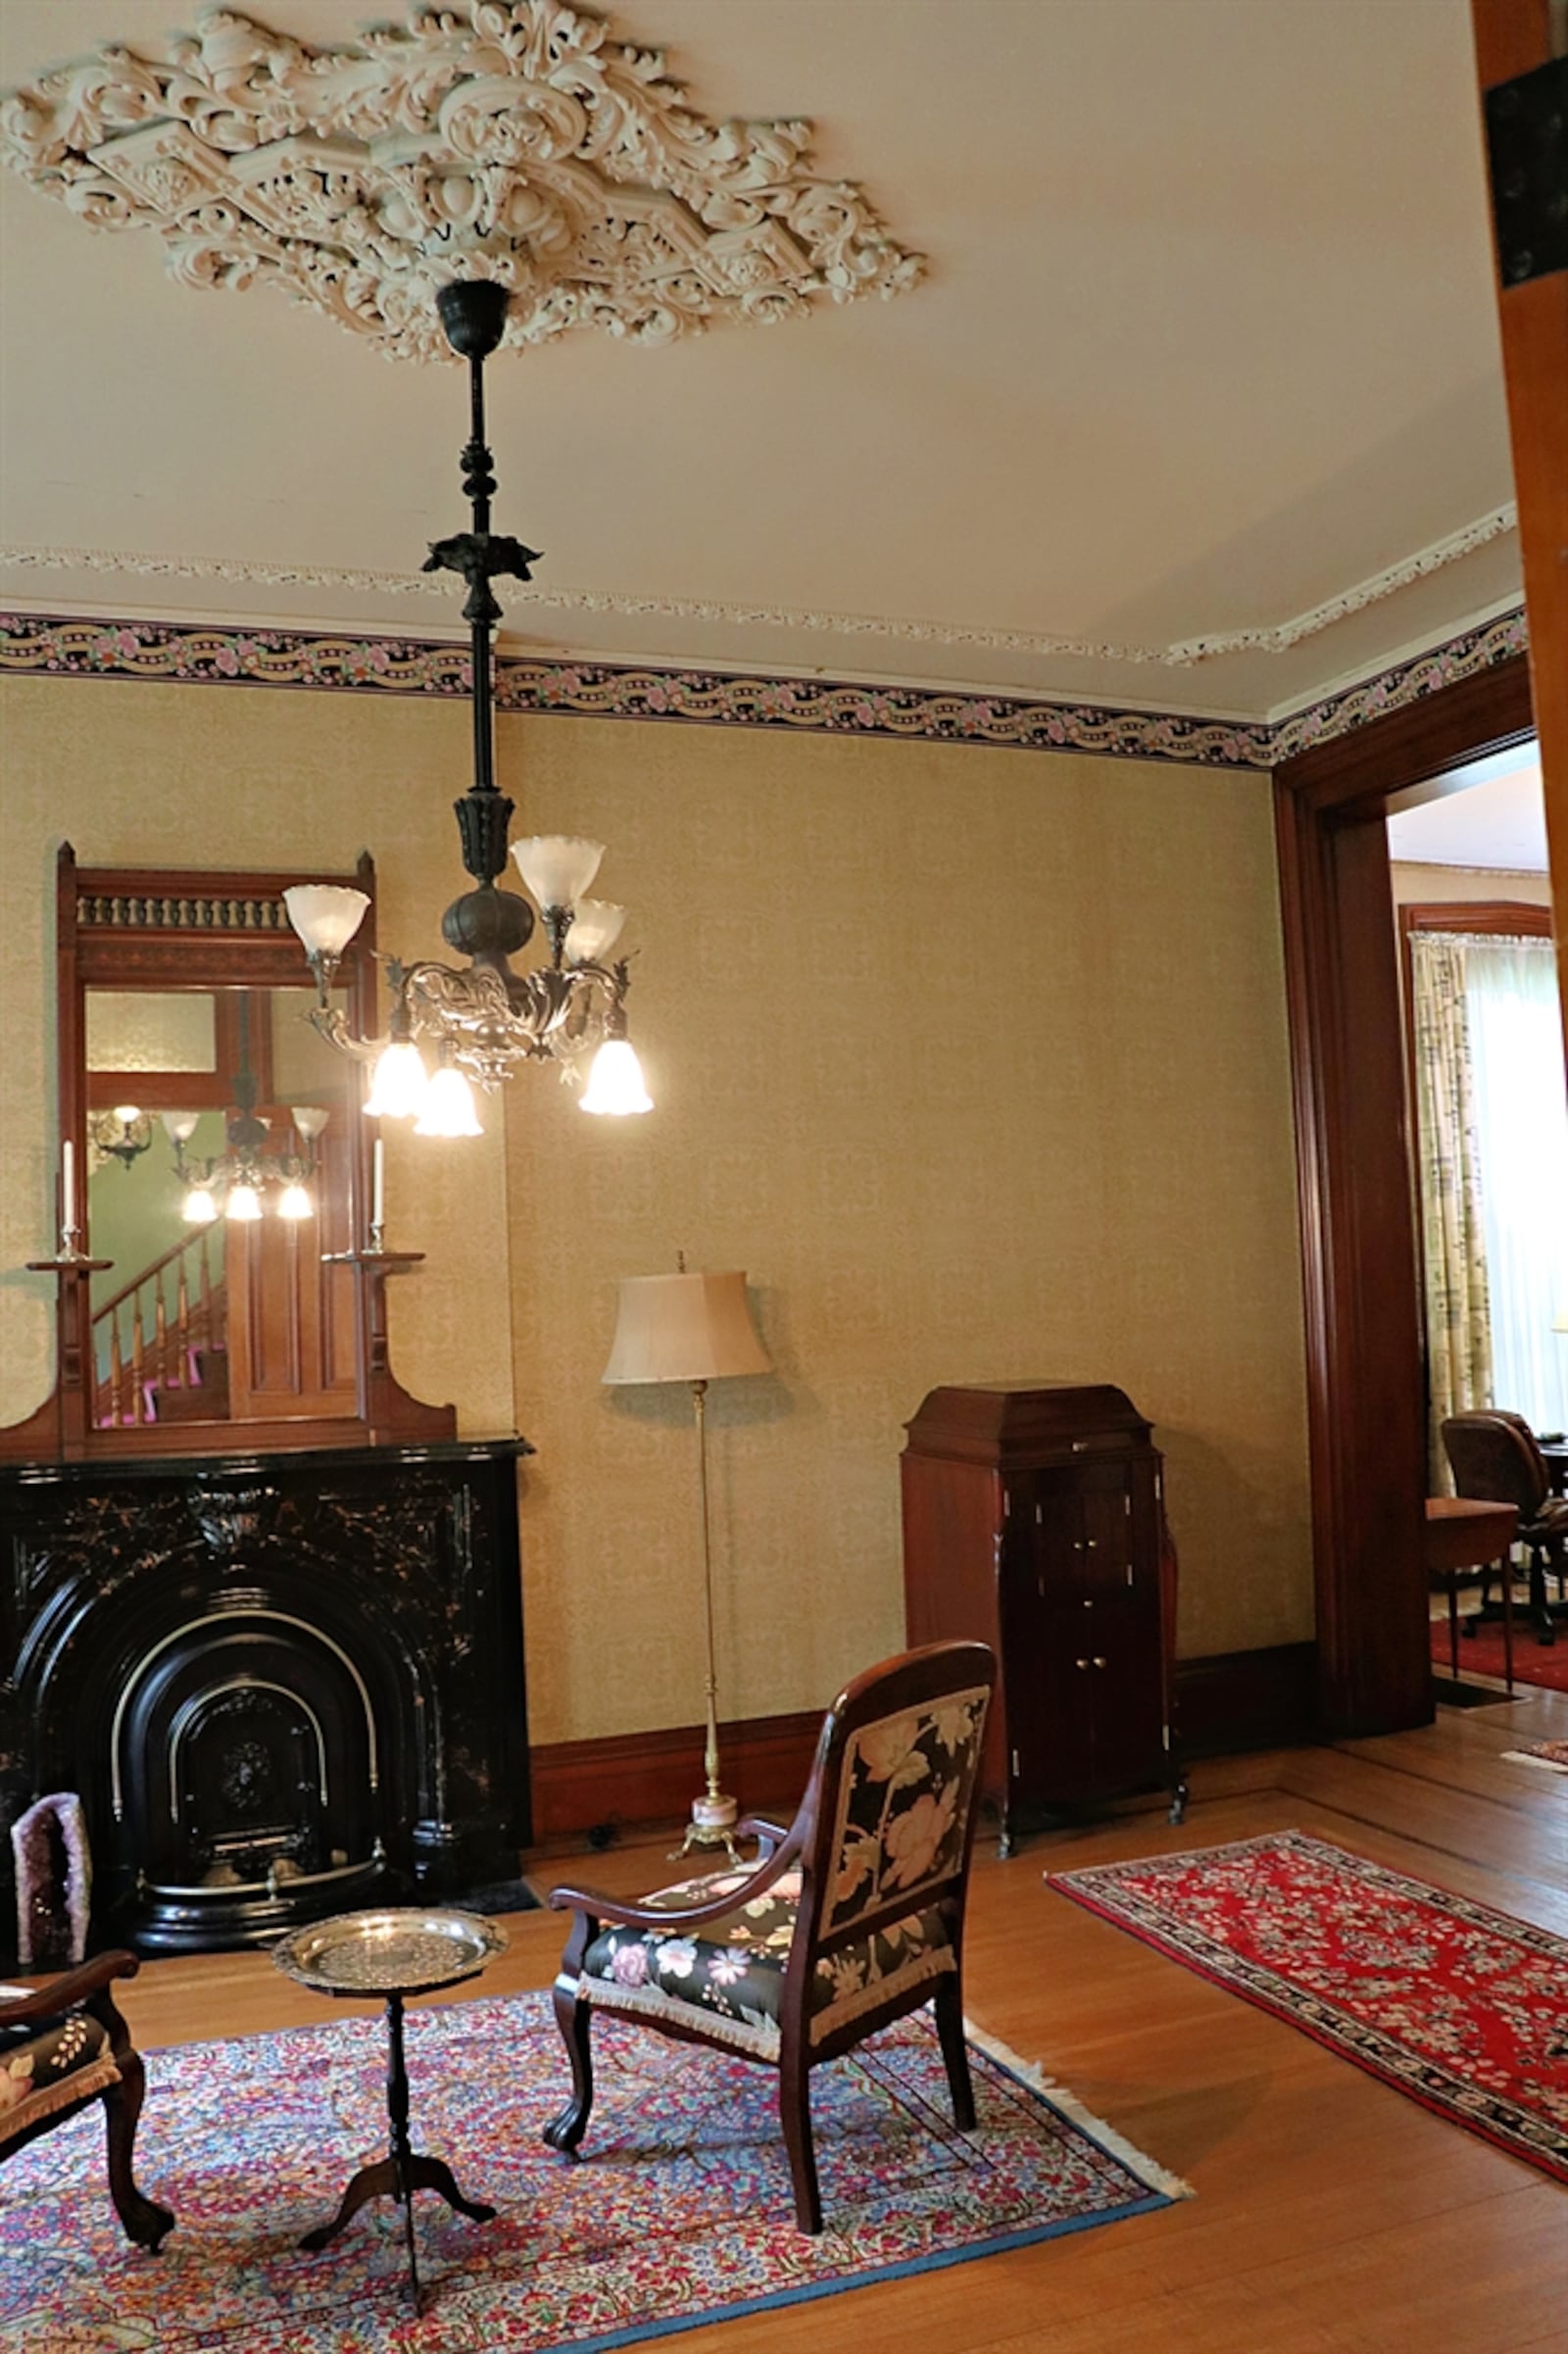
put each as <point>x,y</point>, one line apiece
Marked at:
<point>378,1184</point>
<point>68,1185</point>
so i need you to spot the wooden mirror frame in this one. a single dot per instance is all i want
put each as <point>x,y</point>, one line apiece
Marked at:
<point>145,928</point>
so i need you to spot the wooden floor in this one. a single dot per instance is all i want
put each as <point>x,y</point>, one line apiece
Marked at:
<point>1333,2216</point>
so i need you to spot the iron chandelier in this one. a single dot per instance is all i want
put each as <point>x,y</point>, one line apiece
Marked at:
<point>482,1020</point>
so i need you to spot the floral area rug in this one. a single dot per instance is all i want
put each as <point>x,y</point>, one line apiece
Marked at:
<point>678,2212</point>
<point>1463,2008</point>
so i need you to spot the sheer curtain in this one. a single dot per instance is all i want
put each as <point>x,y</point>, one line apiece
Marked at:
<point>1521,1118</point>
<point>1453,1245</point>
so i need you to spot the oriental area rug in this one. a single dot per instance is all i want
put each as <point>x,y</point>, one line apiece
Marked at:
<point>1481,1654</point>
<point>678,2213</point>
<point>1463,2008</point>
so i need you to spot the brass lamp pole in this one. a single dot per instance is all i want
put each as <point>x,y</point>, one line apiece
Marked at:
<point>692,1328</point>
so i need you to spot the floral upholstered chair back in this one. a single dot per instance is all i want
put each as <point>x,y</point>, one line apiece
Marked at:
<point>900,1769</point>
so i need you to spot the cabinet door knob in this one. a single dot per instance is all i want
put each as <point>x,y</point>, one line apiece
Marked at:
<point>1080,1663</point>
<point>1099,1661</point>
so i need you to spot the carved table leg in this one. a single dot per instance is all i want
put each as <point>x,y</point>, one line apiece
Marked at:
<point>404,2170</point>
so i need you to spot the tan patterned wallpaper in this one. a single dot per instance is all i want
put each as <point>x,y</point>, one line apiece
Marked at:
<point>974,1059</point>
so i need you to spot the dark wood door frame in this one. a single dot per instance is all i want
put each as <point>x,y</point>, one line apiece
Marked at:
<point>1358,1246</point>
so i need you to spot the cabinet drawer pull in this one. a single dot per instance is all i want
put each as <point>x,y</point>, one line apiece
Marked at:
<point>1099,1661</point>
<point>1080,1663</point>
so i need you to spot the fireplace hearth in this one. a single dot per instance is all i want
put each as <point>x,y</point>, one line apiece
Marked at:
<point>282,1686</point>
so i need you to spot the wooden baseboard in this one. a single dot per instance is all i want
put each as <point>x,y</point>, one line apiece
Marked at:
<point>1235,1700</point>
<point>585,1786</point>
<point>1246,1699</point>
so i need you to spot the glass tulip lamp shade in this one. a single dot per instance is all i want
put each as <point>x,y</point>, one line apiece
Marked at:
<point>448,1109</point>
<point>325,916</point>
<point>295,1203</point>
<point>558,869</point>
<point>399,1083</point>
<point>199,1207</point>
<point>616,1086</point>
<point>595,929</point>
<point>243,1204</point>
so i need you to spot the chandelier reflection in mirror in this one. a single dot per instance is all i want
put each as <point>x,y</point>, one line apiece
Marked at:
<point>481,1021</point>
<point>239,1181</point>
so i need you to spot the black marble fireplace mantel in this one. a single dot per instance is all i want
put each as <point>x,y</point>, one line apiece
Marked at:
<point>282,1684</point>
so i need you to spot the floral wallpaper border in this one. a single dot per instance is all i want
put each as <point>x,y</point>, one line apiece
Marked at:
<point>44,645</point>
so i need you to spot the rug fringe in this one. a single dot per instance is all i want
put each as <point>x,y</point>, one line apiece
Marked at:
<point>1548,1765</point>
<point>1148,2170</point>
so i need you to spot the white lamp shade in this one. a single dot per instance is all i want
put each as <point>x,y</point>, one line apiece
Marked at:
<point>558,869</point>
<point>399,1082</point>
<point>325,916</point>
<point>448,1109</point>
<point>242,1203</point>
<point>684,1328</point>
<point>179,1126</point>
<point>595,929</point>
<point>296,1202</point>
<point>615,1082</point>
<point>199,1209</point>
<point>310,1119</point>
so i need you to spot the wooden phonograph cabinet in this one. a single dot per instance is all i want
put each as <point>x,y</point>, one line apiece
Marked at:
<point>1034,1519</point>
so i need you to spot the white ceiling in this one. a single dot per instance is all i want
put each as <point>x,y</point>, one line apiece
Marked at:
<point>1497,818</point>
<point>1208,339</point>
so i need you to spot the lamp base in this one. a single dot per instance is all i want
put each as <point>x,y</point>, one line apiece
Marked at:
<point>713,1825</point>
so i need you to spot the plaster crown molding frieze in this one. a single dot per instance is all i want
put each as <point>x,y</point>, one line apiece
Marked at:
<point>1185,654</point>
<point>510,139</point>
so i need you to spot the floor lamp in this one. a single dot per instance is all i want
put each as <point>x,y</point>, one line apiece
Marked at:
<point>697,1329</point>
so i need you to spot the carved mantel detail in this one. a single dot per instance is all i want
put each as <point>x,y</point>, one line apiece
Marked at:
<point>510,139</point>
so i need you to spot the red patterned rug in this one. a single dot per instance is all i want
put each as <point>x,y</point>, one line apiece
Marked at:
<point>1481,1654</point>
<point>1463,2008</point>
<point>678,2212</point>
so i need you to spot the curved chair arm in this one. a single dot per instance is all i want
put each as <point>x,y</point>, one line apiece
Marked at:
<point>622,1914</point>
<point>69,1993</point>
<point>768,1835</point>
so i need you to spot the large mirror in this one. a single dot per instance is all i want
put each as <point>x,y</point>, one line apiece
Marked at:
<point>218,1130</point>
<point>213,1153</point>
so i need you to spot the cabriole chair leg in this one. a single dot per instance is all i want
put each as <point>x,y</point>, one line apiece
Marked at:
<point>574,2017</point>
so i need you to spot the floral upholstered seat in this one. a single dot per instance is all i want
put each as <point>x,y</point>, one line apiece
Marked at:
<point>49,2064</point>
<point>732,1977</point>
<point>850,1918</point>
<point>62,2045</point>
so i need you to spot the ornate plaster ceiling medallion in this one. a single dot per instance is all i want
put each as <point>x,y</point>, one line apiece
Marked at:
<point>510,139</point>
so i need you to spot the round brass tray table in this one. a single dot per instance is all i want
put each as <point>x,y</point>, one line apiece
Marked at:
<point>395,1952</point>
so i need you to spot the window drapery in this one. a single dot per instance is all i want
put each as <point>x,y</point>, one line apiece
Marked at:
<point>1452,1229</point>
<point>1521,1112</point>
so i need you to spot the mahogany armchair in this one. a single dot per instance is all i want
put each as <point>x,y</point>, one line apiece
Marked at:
<point>850,1917</point>
<point>62,2045</point>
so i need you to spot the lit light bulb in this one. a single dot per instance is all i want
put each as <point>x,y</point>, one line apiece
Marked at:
<point>243,1205</point>
<point>199,1208</point>
<point>295,1203</point>
<point>615,1082</point>
<point>448,1109</point>
<point>399,1083</point>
